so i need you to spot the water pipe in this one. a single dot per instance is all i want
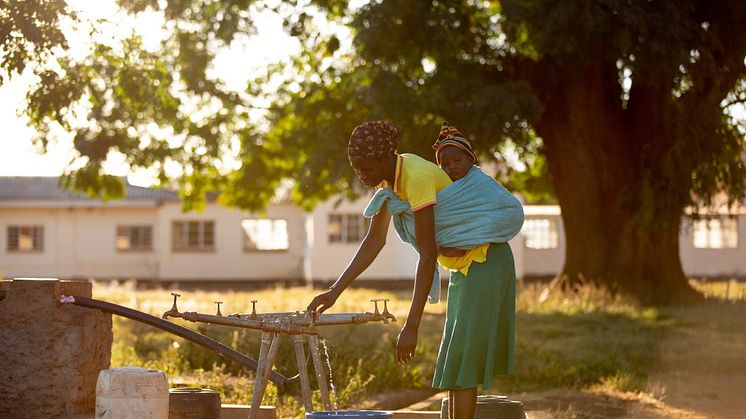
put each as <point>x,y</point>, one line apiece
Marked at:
<point>175,329</point>
<point>291,323</point>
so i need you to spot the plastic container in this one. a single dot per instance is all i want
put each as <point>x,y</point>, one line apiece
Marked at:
<point>349,414</point>
<point>131,393</point>
<point>492,407</point>
<point>190,403</point>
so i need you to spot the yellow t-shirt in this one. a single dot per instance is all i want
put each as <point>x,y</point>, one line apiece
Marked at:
<point>416,181</point>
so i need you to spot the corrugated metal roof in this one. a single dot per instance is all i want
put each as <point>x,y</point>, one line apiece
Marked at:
<point>36,188</point>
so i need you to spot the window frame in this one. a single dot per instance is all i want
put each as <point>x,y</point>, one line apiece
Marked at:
<point>344,223</point>
<point>722,220</point>
<point>552,234</point>
<point>185,235</point>
<point>34,236</point>
<point>130,228</point>
<point>257,250</point>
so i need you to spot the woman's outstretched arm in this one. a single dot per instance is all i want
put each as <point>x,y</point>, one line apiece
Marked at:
<point>424,222</point>
<point>369,249</point>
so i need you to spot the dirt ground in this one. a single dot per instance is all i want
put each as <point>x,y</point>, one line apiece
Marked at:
<point>694,400</point>
<point>699,372</point>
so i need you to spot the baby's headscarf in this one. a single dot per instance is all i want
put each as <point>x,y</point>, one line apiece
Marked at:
<point>450,136</point>
<point>374,140</point>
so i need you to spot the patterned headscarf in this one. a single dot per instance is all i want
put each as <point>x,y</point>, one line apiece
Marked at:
<point>374,140</point>
<point>450,136</point>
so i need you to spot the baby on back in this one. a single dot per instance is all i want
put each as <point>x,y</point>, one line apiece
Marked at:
<point>453,152</point>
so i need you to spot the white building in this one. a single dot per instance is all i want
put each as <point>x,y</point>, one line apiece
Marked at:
<point>48,232</point>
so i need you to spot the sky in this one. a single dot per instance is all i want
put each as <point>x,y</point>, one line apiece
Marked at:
<point>19,157</point>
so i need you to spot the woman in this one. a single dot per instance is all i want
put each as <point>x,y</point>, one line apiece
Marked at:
<point>469,354</point>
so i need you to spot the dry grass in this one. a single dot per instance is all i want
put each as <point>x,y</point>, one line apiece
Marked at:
<point>578,353</point>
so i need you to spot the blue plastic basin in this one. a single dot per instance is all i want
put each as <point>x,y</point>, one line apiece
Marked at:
<point>349,414</point>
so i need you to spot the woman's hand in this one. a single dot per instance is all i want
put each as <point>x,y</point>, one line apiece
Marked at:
<point>451,251</point>
<point>322,302</point>
<point>406,344</point>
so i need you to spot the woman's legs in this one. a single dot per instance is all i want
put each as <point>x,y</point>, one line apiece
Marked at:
<point>462,403</point>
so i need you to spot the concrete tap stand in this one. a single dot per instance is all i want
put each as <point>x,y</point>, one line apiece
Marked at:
<point>52,353</point>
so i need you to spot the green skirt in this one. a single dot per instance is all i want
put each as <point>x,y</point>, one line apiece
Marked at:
<point>479,333</point>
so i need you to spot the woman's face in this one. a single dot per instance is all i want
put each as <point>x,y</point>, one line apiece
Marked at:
<point>371,171</point>
<point>455,162</point>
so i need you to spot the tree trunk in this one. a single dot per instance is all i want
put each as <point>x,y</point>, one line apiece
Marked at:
<point>620,232</point>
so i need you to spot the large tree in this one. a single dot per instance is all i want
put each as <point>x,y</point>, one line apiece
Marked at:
<point>627,102</point>
<point>624,104</point>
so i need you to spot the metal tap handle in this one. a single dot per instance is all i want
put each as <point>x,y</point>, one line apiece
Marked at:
<point>174,311</point>
<point>375,301</point>
<point>218,303</point>
<point>386,315</point>
<point>253,308</point>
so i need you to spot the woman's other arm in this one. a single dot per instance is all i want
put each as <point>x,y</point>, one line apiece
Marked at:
<point>369,249</point>
<point>424,221</point>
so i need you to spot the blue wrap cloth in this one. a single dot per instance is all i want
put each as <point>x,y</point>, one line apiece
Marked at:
<point>471,211</point>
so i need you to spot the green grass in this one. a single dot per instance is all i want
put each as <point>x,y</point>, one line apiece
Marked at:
<point>579,340</point>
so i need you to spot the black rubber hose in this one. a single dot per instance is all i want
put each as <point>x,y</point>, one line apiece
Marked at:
<point>185,333</point>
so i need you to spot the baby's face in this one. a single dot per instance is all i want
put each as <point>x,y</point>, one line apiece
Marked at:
<point>455,162</point>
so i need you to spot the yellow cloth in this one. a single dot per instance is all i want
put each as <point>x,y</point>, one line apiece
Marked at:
<point>462,263</point>
<point>416,181</point>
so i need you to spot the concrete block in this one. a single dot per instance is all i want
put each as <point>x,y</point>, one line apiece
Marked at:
<point>240,411</point>
<point>414,414</point>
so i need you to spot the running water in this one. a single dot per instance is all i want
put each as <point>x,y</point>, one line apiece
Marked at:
<point>331,382</point>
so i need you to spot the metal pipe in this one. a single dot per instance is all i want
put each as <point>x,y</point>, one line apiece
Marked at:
<point>264,325</point>
<point>175,329</point>
<point>286,323</point>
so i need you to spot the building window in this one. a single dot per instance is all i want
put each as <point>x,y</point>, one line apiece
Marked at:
<point>541,233</point>
<point>25,238</point>
<point>194,235</point>
<point>347,228</point>
<point>263,234</point>
<point>134,238</point>
<point>715,233</point>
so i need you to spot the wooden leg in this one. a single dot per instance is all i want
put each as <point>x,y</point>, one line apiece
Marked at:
<point>313,344</point>
<point>270,359</point>
<point>256,398</point>
<point>305,387</point>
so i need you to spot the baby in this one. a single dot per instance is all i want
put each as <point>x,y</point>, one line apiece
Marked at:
<point>453,152</point>
<point>454,155</point>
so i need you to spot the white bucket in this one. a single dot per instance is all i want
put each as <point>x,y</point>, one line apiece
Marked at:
<point>131,393</point>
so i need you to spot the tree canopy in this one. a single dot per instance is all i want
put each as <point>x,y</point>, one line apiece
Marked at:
<point>624,108</point>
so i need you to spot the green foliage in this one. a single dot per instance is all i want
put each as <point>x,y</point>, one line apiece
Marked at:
<point>30,32</point>
<point>490,68</point>
<point>534,182</point>
<point>632,102</point>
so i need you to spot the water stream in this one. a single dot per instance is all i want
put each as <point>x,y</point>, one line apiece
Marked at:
<point>332,391</point>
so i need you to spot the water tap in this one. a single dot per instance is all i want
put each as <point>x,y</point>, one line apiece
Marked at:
<point>218,303</point>
<point>386,315</point>
<point>253,310</point>
<point>375,302</point>
<point>174,311</point>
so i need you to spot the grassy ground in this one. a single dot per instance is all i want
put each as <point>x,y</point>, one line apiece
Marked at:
<point>583,354</point>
